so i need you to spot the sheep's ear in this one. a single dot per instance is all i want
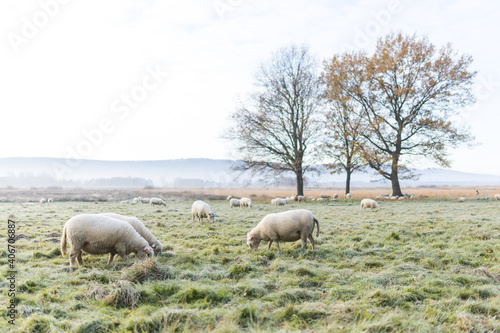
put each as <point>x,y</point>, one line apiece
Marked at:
<point>250,237</point>
<point>153,246</point>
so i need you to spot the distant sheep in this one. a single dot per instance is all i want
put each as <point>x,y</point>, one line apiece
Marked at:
<point>98,234</point>
<point>326,196</point>
<point>145,200</point>
<point>50,200</point>
<point>280,202</point>
<point>124,202</point>
<point>234,202</point>
<point>336,196</point>
<point>301,198</point>
<point>496,196</point>
<point>348,196</point>
<point>43,201</point>
<point>246,202</point>
<point>369,203</point>
<point>201,209</point>
<point>229,197</point>
<point>141,229</point>
<point>287,226</point>
<point>135,201</point>
<point>461,199</point>
<point>157,201</point>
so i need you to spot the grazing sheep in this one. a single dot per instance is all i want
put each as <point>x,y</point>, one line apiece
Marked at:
<point>157,201</point>
<point>369,203</point>
<point>246,202</point>
<point>402,198</point>
<point>140,228</point>
<point>320,199</point>
<point>273,201</point>
<point>135,201</point>
<point>124,202</point>
<point>98,234</point>
<point>496,196</point>
<point>301,198</point>
<point>461,199</point>
<point>348,196</point>
<point>201,210</point>
<point>43,201</point>
<point>326,196</point>
<point>229,197</point>
<point>280,202</point>
<point>336,196</point>
<point>394,197</point>
<point>234,203</point>
<point>145,200</point>
<point>50,200</point>
<point>288,226</point>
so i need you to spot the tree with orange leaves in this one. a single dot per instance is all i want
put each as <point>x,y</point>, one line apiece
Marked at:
<point>405,93</point>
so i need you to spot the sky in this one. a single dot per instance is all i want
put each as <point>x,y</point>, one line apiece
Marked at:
<point>154,80</point>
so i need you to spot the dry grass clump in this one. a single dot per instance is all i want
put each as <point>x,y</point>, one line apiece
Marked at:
<point>120,294</point>
<point>148,269</point>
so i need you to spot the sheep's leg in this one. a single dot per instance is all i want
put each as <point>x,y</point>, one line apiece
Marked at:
<point>111,257</point>
<point>304,242</point>
<point>311,239</point>
<point>79,258</point>
<point>73,255</point>
<point>270,242</point>
<point>278,246</point>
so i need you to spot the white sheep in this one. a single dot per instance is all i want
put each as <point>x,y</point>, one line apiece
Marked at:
<point>234,202</point>
<point>145,200</point>
<point>135,201</point>
<point>461,199</point>
<point>280,202</point>
<point>369,203</point>
<point>348,196</point>
<point>43,201</point>
<point>229,197</point>
<point>336,196</point>
<point>124,202</point>
<point>320,199</point>
<point>157,201</point>
<point>141,229</point>
<point>201,209</point>
<point>496,196</point>
<point>301,198</point>
<point>326,196</point>
<point>273,201</point>
<point>50,200</point>
<point>288,226</point>
<point>98,234</point>
<point>246,202</point>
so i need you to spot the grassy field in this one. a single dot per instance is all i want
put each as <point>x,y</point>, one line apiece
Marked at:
<point>413,266</point>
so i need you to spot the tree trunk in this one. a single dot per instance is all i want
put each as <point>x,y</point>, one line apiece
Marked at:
<point>348,181</point>
<point>300,182</point>
<point>396,189</point>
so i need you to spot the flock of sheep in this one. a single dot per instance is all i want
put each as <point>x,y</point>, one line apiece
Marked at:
<point>115,234</point>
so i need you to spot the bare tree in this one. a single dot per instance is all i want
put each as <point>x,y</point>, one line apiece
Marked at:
<point>407,91</point>
<point>343,139</point>
<point>276,129</point>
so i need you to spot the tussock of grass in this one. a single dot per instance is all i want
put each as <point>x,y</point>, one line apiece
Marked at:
<point>145,270</point>
<point>120,294</point>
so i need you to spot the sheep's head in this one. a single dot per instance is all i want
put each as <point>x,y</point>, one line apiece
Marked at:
<point>145,252</point>
<point>211,217</point>
<point>253,242</point>
<point>157,247</point>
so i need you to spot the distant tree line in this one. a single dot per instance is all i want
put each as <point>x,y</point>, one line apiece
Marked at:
<point>357,111</point>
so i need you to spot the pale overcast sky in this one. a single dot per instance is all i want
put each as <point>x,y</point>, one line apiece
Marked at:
<point>151,80</point>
